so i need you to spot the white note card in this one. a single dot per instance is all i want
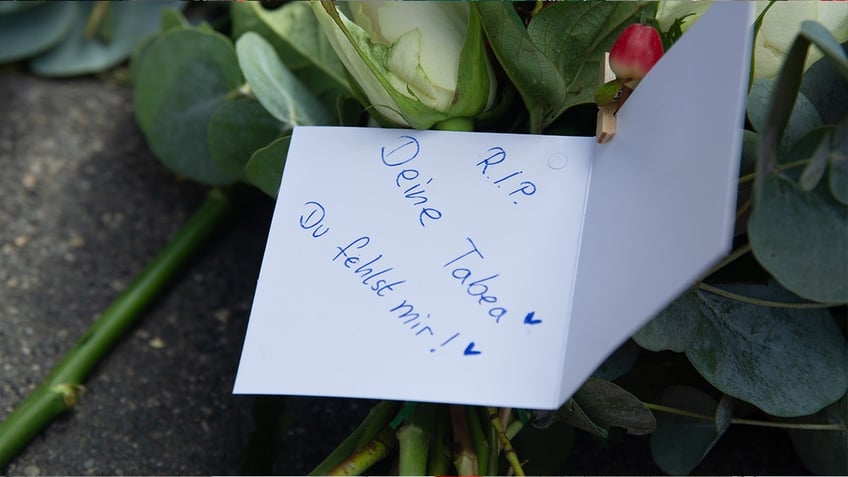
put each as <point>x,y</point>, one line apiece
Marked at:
<point>497,269</point>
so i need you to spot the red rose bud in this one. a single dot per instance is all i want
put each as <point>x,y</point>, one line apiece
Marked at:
<point>634,53</point>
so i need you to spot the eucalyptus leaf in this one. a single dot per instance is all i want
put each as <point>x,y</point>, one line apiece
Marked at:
<point>804,116</point>
<point>300,43</point>
<point>786,89</point>
<point>184,76</point>
<point>279,91</point>
<point>679,443</point>
<point>724,413</point>
<point>801,238</point>
<point>572,414</point>
<point>28,31</point>
<point>265,168</point>
<point>237,128</point>
<point>609,405</point>
<point>170,19</point>
<point>838,182</point>
<point>80,54</point>
<point>786,361</point>
<point>12,7</point>
<point>750,143</point>
<point>673,328</point>
<point>619,362</point>
<point>825,452</point>
<point>815,169</point>
<point>827,89</point>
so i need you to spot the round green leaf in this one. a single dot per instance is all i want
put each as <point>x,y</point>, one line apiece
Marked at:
<point>801,238</point>
<point>619,362</point>
<point>28,31</point>
<point>609,405</point>
<point>237,128</point>
<point>265,167</point>
<point>674,327</point>
<point>786,361</point>
<point>186,74</point>
<point>825,452</point>
<point>825,87</point>
<point>838,182</point>
<point>804,115</point>
<point>127,24</point>
<point>680,443</point>
<point>282,94</point>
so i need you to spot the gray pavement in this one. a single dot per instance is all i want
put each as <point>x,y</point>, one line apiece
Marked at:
<point>83,207</point>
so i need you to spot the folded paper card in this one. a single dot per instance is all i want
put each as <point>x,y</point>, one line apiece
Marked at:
<point>497,269</point>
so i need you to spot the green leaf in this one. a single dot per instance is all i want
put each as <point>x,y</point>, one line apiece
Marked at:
<point>572,414</point>
<point>724,413</point>
<point>804,116</point>
<point>237,128</point>
<point>535,76</point>
<point>13,7</point>
<point>78,54</point>
<point>679,443</point>
<point>282,94</point>
<point>786,361</point>
<point>839,180</point>
<point>554,62</point>
<point>675,327</point>
<point>28,31</point>
<point>619,362</point>
<point>171,19</point>
<point>185,75</point>
<point>839,162</point>
<point>265,168</point>
<point>786,88</point>
<point>750,143</point>
<point>300,43</point>
<point>801,238</point>
<point>825,452</point>
<point>815,169</point>
<point>609,405</point>
<point>825,87</point>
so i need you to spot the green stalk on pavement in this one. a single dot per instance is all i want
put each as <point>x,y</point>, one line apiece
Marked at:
<point>376,420</point>
<point>60,390</point>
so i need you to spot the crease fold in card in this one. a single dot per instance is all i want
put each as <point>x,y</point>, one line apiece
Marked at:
<point>497,269</point>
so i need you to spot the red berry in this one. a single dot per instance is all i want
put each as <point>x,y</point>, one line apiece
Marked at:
<point>634,53</point>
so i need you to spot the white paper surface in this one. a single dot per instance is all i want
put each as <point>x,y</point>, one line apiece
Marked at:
<point>442,266</point>
<point>661,208</point>
<point>353,244</point>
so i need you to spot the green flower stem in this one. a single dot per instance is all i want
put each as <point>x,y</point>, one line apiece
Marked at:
<point>371,453</point>
<point>414,440</point>
<point>438,459</point>
<point>749,422</point>
<point>464,458</point>
<point>376,420</point>
<point>60,390</point>
<point>778,168</point>
<point>761,302</point>
<point>479,441</point>
<point>509,452</point>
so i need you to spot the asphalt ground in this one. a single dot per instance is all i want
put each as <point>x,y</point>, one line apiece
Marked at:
<point>83,207</point>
